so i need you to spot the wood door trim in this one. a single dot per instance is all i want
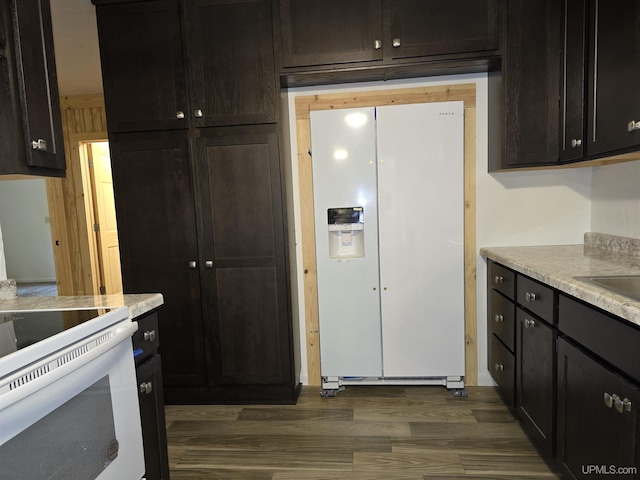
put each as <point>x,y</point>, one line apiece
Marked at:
<point>304,105</point>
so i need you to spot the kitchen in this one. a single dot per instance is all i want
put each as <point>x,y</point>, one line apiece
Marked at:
<point>513,208</point>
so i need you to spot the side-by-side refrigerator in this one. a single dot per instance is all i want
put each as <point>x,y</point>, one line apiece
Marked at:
<point>389,221</point>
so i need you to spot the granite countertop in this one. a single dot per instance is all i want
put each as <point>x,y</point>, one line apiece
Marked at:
<point>557,265</point>
<point>138,304</point>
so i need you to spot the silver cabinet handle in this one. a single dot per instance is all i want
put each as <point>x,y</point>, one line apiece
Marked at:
<point>198,113</point>
<point>498,279</point>
<point>396,42</point>
<point>149,335</point>
<point>529,323</point>
<point>193,264</point>
<point>180,115</point>
<point>633,125</point>
<point>530,297</point>
<point>208,263</point>
<point>146,388</point>
<point>377,44</point>
<point>499,367</point>
<point>608,400</point>
<point>499,318</point>
<point>622,405</point>
<point>39,144</point>
<point>576,142</point>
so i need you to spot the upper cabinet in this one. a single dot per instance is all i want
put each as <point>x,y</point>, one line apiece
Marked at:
<point>169,64</point>
<point>336,32</point>
<point>30,124</point>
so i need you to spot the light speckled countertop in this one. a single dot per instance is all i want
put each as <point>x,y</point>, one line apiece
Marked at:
<point>138,304</point>
<point>557,265</point>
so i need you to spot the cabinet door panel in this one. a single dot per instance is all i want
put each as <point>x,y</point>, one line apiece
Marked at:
<point>232,64</point>
<point>142,66</point>
<point>589,431</point>
<point>535,378</point>
<point>531,73</point>
<point>434,27</point>
<point>157,232</point>
<point>329,32</point>
<point>614,99</point>
<point>38,84</point>
<point>244,290</point>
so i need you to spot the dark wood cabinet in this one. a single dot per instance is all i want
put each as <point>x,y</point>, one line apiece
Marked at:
<point>613,99</point>
<point>535,378</point>
<point>30,124</point>
<point>598,425</point>
<point>146,342</point>
<point>169,64</point>
<point>531,84</point>
<point>335,32</point>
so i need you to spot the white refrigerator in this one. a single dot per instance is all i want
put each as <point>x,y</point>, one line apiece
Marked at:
<point>389,221</point>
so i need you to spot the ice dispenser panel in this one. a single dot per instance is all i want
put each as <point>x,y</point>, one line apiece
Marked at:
<point>346,232</point>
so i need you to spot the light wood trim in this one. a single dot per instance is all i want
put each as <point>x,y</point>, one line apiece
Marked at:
<point>83,119</point>
<point>303,107</point>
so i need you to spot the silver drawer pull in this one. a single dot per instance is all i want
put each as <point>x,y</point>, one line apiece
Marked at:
<point>622,405</point>
<point>498,279</point>
<point>39,144</point>
<point>633,125</point>
<point>146,388</point>
<point>499,367</point>
<point>608,400</point>
<point>530,297</point>
<point>179,115</point>
<point>377,44</point>
<point>396,42</point>
<point>499,318</point>
<point>150,335</point>
<point>576,142</point>
<point>529,323</point>
<point>193,264</point>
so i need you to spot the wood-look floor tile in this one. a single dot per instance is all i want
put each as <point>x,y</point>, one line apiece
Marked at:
<point>476,431</point>
<point>508,446</point>
<point>202,412</point>
<point>416,413</point>
<point>288,414</point>
<point>353,475</point>
<point>306,427</point>
<point>493,416</point>
<point>216,442</point>
<point>402,463</point>
<point>221,474</point>
<point>505,465</point>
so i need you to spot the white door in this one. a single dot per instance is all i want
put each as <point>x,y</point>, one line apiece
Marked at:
<point>344,175</point>
<point>420,186</point>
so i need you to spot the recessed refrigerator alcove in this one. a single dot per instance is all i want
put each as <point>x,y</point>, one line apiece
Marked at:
<point>389,224</point>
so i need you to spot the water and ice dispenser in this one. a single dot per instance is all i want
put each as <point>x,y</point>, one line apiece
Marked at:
<point>346,232</point>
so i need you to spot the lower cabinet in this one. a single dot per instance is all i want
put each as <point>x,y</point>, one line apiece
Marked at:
<point>535,383</point>
<point>598,428</point>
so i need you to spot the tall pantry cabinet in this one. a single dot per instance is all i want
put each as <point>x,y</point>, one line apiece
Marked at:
<point>192,108</point>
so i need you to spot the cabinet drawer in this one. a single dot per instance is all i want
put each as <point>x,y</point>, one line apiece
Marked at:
<point>502,279</point>
<point>502,368</point>
<point>502,319</point>
<point>146,340</point>
<point>609,337</point>
<point>536,297</point>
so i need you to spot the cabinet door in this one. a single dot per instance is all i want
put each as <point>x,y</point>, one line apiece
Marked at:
<point>531,72</point>
<point>434,27</point>
<point>535,378</point>
<point>243,257</point>
<point>232,65</point>
<point>614,74</point>
<point>572,100</point>
<point>154,432</point>
<point>10,125</point>
<point>330,32</point>
<point>142,66</point>
<point>37,80</point>
<point>591,431</point>
<point>157,230</point>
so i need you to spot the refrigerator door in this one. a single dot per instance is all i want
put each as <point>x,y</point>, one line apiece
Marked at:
<point>344,176</point>
<point>420,188</point>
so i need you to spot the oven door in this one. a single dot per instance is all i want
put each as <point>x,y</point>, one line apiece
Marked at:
<point>74,415</point>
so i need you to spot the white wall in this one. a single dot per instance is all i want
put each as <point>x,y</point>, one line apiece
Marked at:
<point>616,199</point>
<point>26,231</point>
<point>3,264</point>
<point>513,208</point>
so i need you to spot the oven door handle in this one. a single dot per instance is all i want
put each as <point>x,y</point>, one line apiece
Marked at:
<point>39,375</point>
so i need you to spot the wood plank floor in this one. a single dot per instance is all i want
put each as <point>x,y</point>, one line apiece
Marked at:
<point>364,433</point>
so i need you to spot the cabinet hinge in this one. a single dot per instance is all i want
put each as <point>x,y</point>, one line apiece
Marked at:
<point>96,227</point>
<point>103,290</point>
<point>90,163</point>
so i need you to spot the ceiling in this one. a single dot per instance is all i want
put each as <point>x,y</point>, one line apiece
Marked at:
<point>75,38</point>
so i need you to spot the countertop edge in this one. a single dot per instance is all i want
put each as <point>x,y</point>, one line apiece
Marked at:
<point>582,261</point>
